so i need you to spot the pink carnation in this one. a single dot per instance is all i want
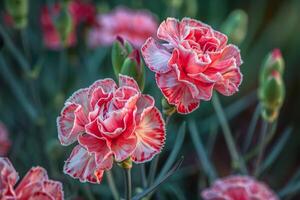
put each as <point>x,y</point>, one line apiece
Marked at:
<point>34,186</point>
<point>79,11</point>
<point>134,26</point>
<point>110,123</point>
<point>5,142</point>
<point>193,61</point>
<point>238,188</point>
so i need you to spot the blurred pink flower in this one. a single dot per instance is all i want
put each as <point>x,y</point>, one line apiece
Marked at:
<point>193,60</point>
<point>134,26</point>
<point>5,142</point>
<point>80,11</point>
<point>111,123</point>
<point>238,188</point>
<point>34,186</point>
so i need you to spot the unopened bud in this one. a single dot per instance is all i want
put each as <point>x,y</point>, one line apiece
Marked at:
<point>18,10</point>
<point>271,94</point>
<point>120,50</point>
<point>235,26</point>
<point>168,109</point>
<point>133,66</point>
<point>64,25</point>
<point>273,62</point>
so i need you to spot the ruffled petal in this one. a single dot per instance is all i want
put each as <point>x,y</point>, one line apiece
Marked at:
<point>8,178</point>
<point>99,148</point>
<point>71,123</point>
<point>232,51</point>
<point>53,189</point>
<point>145,102</point>
<point>169,30</point>
<point>177,93</point>
<point>127,81</point>
<point>156,56</point>
<point>100,90</point>
<point>82,165</point>
<point>123,147</point>
<point>150,133</point>
<point>39,196</point>
<point>80,97</point>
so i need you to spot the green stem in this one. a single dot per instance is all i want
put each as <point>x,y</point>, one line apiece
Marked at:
<point>14,51</point>
<point>237,161</point>
<point>251,128</point>
<point>112,185</point>
<point>153,168</point>
<point>262,145</point>
<point>127,182</point>
<point>143,175</point>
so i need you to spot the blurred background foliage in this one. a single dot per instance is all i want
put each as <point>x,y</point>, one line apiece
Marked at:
<point>33,90</point>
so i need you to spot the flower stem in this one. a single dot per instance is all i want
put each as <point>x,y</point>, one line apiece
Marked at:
<point>262,145</point>
<point>143,175</point>
<point>237,161</point>
<point>153,168</point>
<point>112,185</point>
<point>127,178</point>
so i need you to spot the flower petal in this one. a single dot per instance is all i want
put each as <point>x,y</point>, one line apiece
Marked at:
<point>8,178</point>
<point>128,82</point>
<point>54,189</point>
<point>80,97</point>
<point>71,123</point>
<point>81,165</point>
<point>145,102</point>
<point>177,93</point>
<point>99,148</point>
<point>123,147</point>
<point>156,56</point>
<point>169,30</point>
<point>232,51</point>
<point>150,134</point>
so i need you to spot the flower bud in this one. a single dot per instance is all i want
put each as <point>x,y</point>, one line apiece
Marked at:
<point>271,95</point>
<point>133,66</point>
<point>168,109</point>
<point>64,25</point>
<point>126,164</point>
<point>18,9</point>
<point>120,50</point>
<point>273,61</point>
<point>235,26</point>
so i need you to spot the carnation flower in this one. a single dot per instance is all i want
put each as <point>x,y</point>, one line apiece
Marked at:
<point>191,62</point>
<point>5,142</point>
<point>80,13</point>
<point>238,188</point>
<point>134,26</point>
<point>111,123</point>
<point>35,185</point>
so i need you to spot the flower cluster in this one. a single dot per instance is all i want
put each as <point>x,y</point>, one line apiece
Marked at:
<point>5,142</point>
<point>238,188</point>
<point>134,26</point>
<point>111,123</point>
<point>35,185</point>
<point>79,11</point>
<point>193,61</point>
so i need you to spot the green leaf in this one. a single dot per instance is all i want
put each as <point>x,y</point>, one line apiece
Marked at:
<point>159,181</point>
<point>177,146</point>
<point>202,154</point>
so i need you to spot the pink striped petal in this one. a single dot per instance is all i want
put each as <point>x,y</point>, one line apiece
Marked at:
<point>232,51</point>
<point>123,147</point>
<point>80,97</point>
<point>169,30</point>
<point>101,90</point>
<point>145,102</point>
<point>71,123</point>
<point>81,165</point>
<point>8,178</point>
<point>156,56</point>
<point>53,189</point>
<point>150,133</point>
<point>128,82</point>
<point>99,148</point>
<point>177,93</point>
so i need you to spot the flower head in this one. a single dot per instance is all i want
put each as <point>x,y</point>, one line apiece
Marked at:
<point>5,142</point>
<point>134,26</point>
<point>79,12</point>
<point>111,123</point>
<point>238,188</point>
<point>193,61</point>
<point>35,184</point>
